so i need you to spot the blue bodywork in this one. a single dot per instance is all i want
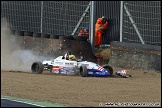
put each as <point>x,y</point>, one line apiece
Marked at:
<point>97,73</point>
<point>90,72</point>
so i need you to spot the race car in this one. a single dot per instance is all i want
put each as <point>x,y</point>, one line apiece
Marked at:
<point>60,65</point>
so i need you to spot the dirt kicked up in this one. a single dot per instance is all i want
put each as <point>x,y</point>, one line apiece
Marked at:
<point>142,87</point>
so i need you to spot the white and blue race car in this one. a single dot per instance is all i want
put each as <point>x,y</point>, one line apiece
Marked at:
<point>62,66</point>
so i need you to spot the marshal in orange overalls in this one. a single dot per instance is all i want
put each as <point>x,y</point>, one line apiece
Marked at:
<point>99,30</point>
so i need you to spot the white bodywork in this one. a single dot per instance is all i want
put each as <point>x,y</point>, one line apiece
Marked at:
<point>63,62</point>
<point>59,63</point>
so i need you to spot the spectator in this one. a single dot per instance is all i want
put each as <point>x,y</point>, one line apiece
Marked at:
<point>84,32</point>
<point>100,27</point>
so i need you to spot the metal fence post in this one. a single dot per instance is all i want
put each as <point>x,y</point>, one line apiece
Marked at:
<point>41,16</point>
<point>121,20</point>
<point>93,16</point>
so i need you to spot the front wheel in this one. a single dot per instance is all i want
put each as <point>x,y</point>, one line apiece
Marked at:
<point>109,69</point>
<point>37,67</point>
<point>83,71</point>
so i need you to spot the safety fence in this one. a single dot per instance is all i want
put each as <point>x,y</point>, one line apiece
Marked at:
<point>53,17</point>
<point>141,22</point>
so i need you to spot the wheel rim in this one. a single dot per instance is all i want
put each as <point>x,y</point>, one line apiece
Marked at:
<point>35,68</point>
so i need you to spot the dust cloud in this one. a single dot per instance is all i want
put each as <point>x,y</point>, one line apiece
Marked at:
<point>13,57</point>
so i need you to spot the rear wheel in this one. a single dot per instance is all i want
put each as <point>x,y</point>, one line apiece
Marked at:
<point>37,67</point>
<point>109,69</point>
<point>83,71</point>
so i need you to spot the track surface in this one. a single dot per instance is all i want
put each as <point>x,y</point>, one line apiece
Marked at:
<point>9,103</point>
<point>143,86</point>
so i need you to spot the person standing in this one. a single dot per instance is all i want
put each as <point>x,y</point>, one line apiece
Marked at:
<point>100,27</point>
<point>104,35</point>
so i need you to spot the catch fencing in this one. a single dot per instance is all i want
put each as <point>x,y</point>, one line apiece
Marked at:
<point>141,22</point>
<point>53,17</point>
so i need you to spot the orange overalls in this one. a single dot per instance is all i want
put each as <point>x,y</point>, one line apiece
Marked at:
<point>99,30</point>
<point>83,32</point>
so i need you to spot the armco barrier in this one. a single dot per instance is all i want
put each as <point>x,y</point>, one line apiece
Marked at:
<point>135,56</point>
<point>56,47</point>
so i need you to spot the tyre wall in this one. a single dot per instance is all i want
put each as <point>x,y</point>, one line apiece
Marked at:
<point>135,56</point>
<point>55,47</point>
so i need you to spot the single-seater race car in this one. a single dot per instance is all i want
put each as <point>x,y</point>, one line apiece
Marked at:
<point>62,66</point>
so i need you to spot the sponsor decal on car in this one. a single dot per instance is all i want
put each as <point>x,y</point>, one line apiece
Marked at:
<point>69,64</point>
<point>100,68</point>
<point>55,69</point>
<point>67,68</point>
<point>90,72</point>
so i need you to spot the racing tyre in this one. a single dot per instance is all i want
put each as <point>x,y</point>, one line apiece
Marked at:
<point>37,68</point>
<point>52,36</point>
<point>45,35</point>
<point>83,71</point>
<point>65,37</point>
<point>37,35</point>
<point>19,33</point>
<point>109,69</point>
<point>28,33</point>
